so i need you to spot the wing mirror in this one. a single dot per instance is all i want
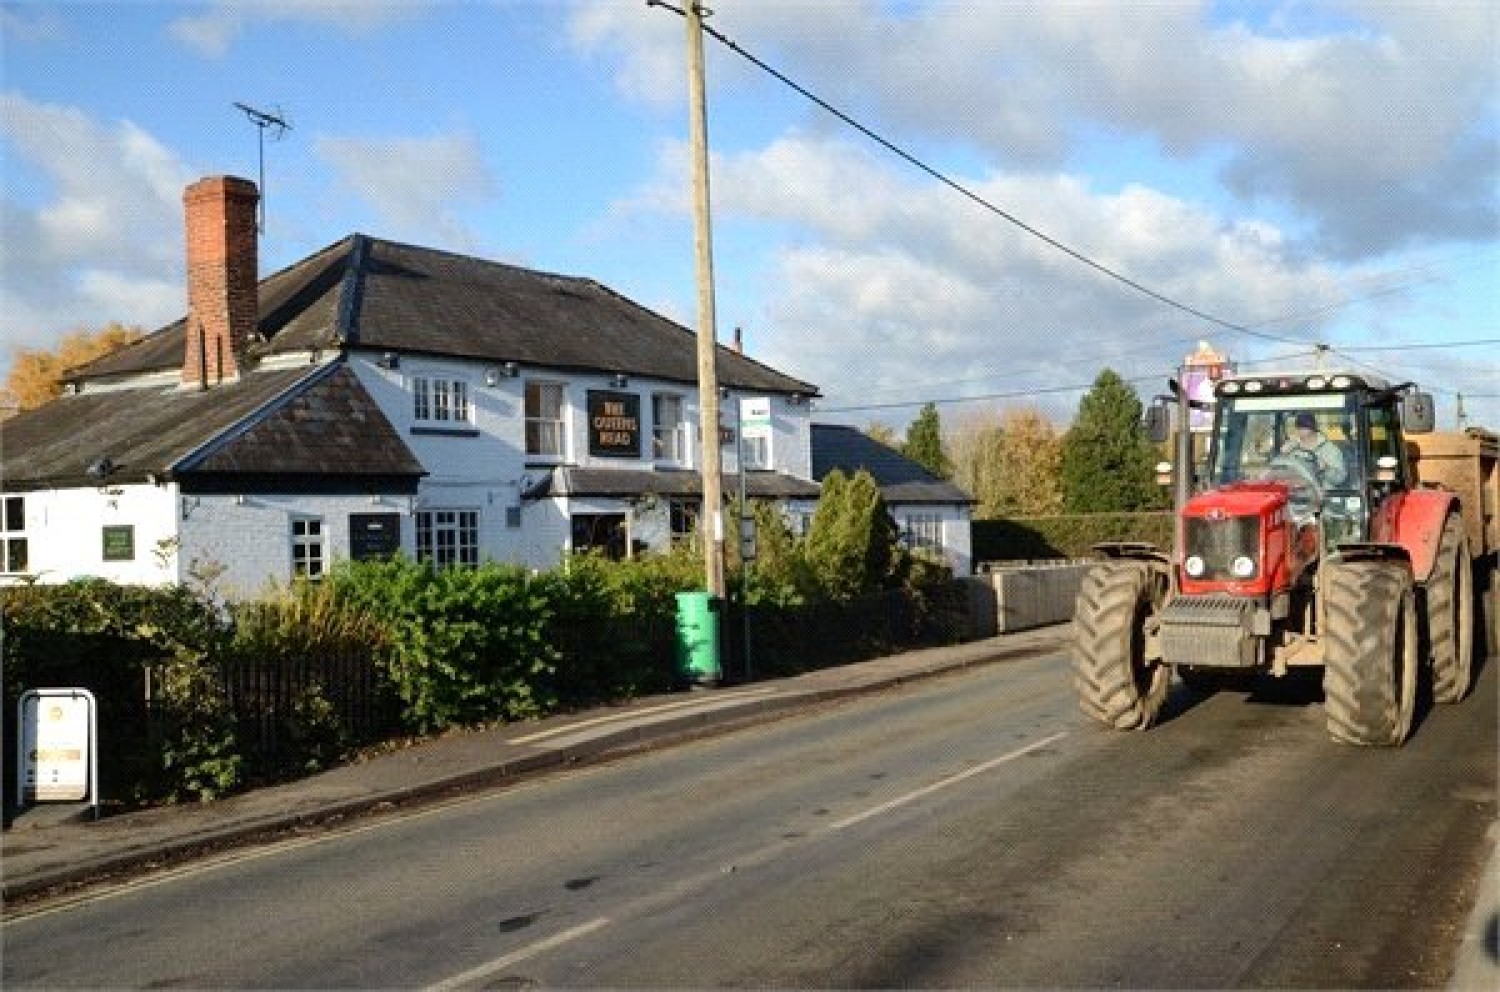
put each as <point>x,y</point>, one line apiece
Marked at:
<point>1417,415</point>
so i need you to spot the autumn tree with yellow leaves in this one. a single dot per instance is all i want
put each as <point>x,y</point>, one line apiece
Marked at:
<point>36,375</point>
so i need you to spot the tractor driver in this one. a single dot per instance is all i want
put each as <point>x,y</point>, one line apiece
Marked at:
<point>1310,445</point>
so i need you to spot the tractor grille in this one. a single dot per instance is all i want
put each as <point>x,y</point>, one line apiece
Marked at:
<point>1208,630</point>
<point>1220,542</point>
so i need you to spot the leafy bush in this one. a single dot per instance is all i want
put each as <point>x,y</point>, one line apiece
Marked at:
<point>304,677</point>
<point>613,624</point>
<point>147,656</point>
<point>466,645</point>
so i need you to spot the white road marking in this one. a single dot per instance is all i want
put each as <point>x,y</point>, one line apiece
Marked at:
<point>487,970</point>
<point>928,790</point>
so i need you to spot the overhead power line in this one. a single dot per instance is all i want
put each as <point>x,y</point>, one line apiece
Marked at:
<point>965,191</point>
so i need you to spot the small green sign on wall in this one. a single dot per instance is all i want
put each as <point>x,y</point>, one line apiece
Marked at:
<point>119,542</point>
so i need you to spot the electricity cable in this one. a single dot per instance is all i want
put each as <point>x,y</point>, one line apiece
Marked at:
<point>968,193</point>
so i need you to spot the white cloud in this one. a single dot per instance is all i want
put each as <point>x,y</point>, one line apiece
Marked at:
<point>212,32</point>
<point>97,236</point>
<point>420,187</point>
<point>1376,127</point>
<point>889,283</point>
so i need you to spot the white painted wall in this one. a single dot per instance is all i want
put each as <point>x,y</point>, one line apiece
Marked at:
<point>246,541</point>
<point>954,520</point>
<point>65,533</point>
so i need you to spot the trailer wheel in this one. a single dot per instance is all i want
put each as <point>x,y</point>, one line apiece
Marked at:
<point>1370,651</point>
<point>1449,611</point>
<point>1117,685</point>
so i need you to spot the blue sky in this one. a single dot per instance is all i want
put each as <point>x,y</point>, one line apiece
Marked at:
<point>1317,172</point>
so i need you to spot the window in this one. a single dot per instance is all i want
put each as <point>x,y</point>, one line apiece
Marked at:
<point>602,532</point>
<point>448,537</point>
<point>924,532</point>
<point>683,514</point>
<point>119,542</point>
<point>757,449</point>
<point>440,401</point>
<point>307,547</point>
<point>544,419</point>
<point>13,556</point>
<point>668,432</point>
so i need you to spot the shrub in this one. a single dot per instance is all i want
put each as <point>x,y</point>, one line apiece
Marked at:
<point>305,679</point>
<point>466,645</point>
<point>147,656</point>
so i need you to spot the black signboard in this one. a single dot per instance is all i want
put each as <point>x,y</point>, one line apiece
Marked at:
<point>614,424</point>
<point>374,535</point>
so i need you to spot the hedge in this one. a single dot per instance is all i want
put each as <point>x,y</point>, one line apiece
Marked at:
<point>1065,536</point>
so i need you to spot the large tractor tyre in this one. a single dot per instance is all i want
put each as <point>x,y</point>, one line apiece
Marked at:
<point>1449,611</point>
<point>1370,659</point>
<point>1116,683</point>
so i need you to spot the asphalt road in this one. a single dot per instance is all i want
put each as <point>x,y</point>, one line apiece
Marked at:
<point>970,830</point>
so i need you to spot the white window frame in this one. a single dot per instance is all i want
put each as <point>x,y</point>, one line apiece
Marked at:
<point>669,436</point>
<point>13,535</point>
<point>448,536</point>
<point>924,531</point>
<point>539,425</point>
<point>309,540</point>
<point>757,449</point>
<point>441,401</point>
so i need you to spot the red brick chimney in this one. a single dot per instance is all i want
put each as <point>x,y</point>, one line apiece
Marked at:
<point>222,273</point>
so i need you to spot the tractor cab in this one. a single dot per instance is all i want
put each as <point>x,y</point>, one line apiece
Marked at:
<point>1332,442</point>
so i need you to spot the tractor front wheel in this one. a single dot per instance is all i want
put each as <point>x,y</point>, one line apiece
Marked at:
<point>1117,684</point>
<point>1370,651</point>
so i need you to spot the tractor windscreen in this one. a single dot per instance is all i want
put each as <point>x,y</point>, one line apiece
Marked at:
<point>1305,440</point>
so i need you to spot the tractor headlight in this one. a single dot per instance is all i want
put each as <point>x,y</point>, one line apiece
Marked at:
<point>1194,566</point>
<point>1243,567</point>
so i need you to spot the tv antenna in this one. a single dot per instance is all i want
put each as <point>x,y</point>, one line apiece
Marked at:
<point>264,120</point>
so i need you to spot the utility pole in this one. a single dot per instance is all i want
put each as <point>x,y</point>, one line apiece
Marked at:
<point>712,518</point>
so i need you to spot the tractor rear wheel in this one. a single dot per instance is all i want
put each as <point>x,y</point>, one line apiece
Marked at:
<point>1370,651</point>
<point>1117,685</point>
<point>1449,611</point>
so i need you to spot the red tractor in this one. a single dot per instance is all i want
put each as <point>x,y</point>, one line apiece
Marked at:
<point>1307,538</point>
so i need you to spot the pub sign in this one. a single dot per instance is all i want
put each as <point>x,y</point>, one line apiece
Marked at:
<point>614,424</point>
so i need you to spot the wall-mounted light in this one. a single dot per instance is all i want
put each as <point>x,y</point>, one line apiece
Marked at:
<point>390,360</point>
<point>796,399</point>
<point>511,369</point>
<point>620,380</point>
<point>492,377</point>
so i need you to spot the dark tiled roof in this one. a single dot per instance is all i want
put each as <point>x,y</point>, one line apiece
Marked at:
<point>270,421</point>
<point>567,481</point>
<point>366,293</point>
<point>901,480</point>
<point>328,426</point>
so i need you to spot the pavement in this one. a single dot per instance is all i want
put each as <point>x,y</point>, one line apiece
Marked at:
<point>51,849</point>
